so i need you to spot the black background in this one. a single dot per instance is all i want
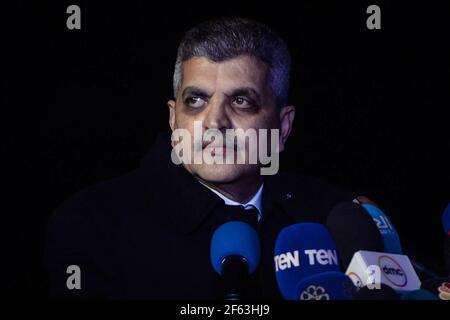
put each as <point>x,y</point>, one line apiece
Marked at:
<point>81,106</point>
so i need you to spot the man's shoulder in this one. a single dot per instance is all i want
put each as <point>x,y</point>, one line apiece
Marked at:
<point>102,202</point>
<point>110,191</point>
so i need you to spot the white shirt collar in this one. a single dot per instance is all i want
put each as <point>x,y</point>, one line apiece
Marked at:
<point>256,201</point>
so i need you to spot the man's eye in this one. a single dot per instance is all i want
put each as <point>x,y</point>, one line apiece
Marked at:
<point>195,102</point>
<point>242,102</point>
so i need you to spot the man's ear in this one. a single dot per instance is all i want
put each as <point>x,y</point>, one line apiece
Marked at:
<point>171,104</point>
<point>287,115</point>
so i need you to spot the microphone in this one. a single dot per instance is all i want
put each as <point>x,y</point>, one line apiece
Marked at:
<point>391,240</point>
<point>438,286</point>
<point>383,293</point>
<point>352,230</point>
<point>235,254</point>
<point>360,245</point>
<point>302,250</point>
<point>390,237</point>
<point>330,285</point>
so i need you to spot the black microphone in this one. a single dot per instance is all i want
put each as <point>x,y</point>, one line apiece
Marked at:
<point>391,239</point>
<point>235,254</point>
<point>440,286</point>
<point>358,238</point>
<point>353,230</point>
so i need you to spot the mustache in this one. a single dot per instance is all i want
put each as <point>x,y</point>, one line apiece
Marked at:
<point>216,143</point>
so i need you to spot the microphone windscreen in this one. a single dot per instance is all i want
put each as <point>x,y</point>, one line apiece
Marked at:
<point>420,294</point>
<point>302,250</point>
<point>389,235</point>
<point>438,286</point>
<point>353,230</point>
<point>326,286</point>
<point>235,238</point>
<point>383,293</point>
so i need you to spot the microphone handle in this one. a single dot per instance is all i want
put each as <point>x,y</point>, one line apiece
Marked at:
<point>235,277</point>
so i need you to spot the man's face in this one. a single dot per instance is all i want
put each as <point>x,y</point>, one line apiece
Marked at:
<point>233,94</point>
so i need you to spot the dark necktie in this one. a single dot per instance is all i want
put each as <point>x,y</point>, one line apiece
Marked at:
<point>239,213</point>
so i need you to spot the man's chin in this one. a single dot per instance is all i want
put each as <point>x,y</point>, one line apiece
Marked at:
<point>222,173</point>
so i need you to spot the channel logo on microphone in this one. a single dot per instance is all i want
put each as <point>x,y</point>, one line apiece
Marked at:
<point>314,293</point>
<point>393,271</point>
<point>303,250</point>
<point>313,257</point>
<point>384,225</point>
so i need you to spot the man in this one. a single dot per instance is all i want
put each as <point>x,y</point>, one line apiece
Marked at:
<point>147,234</point>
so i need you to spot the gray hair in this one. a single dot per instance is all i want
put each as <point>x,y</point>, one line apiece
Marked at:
<point>226,38</point>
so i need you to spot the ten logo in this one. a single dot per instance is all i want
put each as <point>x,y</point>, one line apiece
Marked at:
<point>286,260</point>
<point>321,256</point>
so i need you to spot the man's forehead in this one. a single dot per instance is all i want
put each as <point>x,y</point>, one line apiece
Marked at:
<point>242,71</point>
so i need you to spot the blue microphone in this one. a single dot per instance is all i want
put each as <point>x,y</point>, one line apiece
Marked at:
<point>330,285</point>
<point>302,250</point>
<point>389,235</point>
<point>235,254</point>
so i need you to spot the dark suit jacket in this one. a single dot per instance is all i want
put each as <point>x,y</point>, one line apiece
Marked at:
<point>146,235</point>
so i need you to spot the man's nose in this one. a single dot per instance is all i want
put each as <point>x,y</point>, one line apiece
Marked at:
<point>216,116</point>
